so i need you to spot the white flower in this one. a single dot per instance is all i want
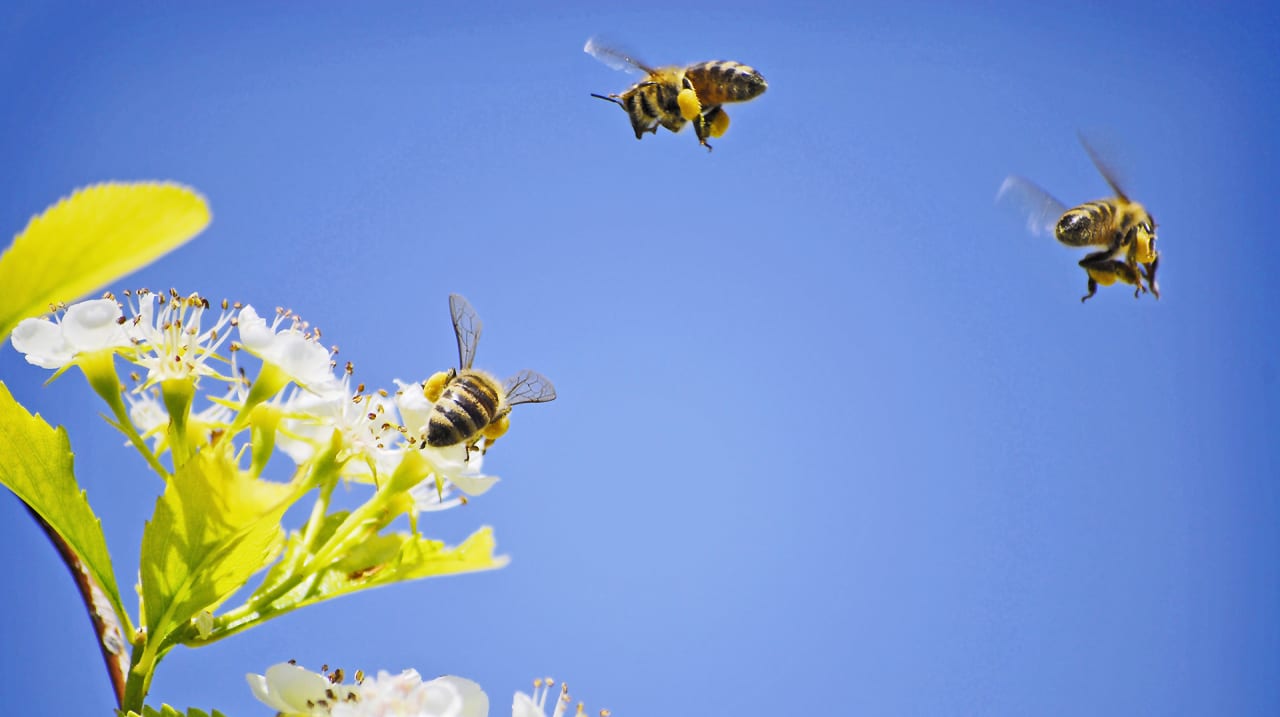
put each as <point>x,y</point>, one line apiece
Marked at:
<point>171,340</point>
<point>456,469</point>
<point>86,327</point>
<point>297,353</point>
<point>525,706</point>
<point>414,407</point>
<point>151,418</point>
<point>368,425</point>
<point>406,695</point>
<point>148,415</point>
<point>292,690</point>
<point>455,464</point>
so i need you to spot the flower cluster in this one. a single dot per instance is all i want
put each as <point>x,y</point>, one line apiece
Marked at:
<point>294,691</point>
<point>216,391</point>
<point>182,344</point>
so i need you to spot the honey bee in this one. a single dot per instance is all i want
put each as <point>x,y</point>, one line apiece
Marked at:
<point>670,97</point>
<point>468,404</point>
<point>1122,226</point>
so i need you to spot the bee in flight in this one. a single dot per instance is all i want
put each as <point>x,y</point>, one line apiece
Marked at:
<point>468,404</point>
<point>670,97</point>
<point>1122,227</point>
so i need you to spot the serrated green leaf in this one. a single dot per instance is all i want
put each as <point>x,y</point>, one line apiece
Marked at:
<point>395,558</point>
<point>87,240</point>
<point>36,464</point>
<point>213,528</point>
<point>167,711</point>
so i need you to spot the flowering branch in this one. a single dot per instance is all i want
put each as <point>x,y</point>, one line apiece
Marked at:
<point>218,522</point>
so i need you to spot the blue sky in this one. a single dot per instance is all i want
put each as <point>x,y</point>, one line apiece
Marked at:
<point>834,433</point>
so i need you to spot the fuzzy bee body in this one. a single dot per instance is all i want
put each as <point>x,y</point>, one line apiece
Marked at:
<point>721,81</point>
<point>671,97</point>
<point>468,404</point>
<point>471,401</point>
<point>1122,227</point>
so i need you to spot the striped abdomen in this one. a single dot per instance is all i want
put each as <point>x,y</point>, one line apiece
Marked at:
<point>470,402</point>
<point>721,81</point>
<point>1090,224</point>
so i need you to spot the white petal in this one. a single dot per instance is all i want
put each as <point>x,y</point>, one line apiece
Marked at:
<point>524,706</point>
<point>414,407</point>
<point>147,413</point>
<point>254,332</point>
<point>94,325</point>
<point>473,484</point>
<point>303,359</point>
<point>456,697</point>
<point>42,342</point>
<point>287,688</point>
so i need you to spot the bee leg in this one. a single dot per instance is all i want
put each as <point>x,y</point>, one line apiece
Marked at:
<point>702,127</point>
<point>1149,271</point>
<point>1105,270</point>
<point>1093,289</point>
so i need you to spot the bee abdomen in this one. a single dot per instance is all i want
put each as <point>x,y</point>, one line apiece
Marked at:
<point>721,81</point>
<point>467,405</point>
<point>1089,224</point>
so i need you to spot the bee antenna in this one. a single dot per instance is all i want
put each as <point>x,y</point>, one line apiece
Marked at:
<point>614,100</point>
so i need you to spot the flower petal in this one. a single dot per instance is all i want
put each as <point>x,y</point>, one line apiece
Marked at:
<point>288,688</point>
<point>42,342</point>
<point>522,705</point>
<point>94,325</point>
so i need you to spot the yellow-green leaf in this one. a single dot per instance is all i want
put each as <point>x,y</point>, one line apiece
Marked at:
<point>380,560</point>
<point>36,464</point>
<point>214,527</point>
<point>167,711</point>
<point>87,240</point>
<point>397,557</point>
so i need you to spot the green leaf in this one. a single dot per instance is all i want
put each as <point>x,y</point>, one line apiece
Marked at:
<point>213,528</point>
<point>36,464</point>
<point>87,240</point>
<point>380,560</point>
<point>167,711</point>
<point>394,558</point>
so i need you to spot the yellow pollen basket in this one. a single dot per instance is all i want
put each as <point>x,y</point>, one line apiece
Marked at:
<point>1145,249</point>
<point>496,430</point>
<point>434,386</point>
<point>720,124</point>
<point>690,107</point>
<point>1103,277</point>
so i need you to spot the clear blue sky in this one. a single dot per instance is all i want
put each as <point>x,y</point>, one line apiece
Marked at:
<point>834,434</point>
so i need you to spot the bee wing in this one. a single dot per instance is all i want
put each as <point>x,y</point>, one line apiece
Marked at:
<point>529,387</point>
<point>1039,207</point>
<point>1103,168</point>
<point>614,58</point>
<point>466,324</point>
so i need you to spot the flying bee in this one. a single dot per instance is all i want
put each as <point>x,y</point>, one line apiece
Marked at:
<point>670,97</point>
<point>1123,227</point>
<point>468,404</point>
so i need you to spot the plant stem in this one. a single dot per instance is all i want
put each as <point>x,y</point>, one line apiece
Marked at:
<point>108,632</point>
<point>139,681</point>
